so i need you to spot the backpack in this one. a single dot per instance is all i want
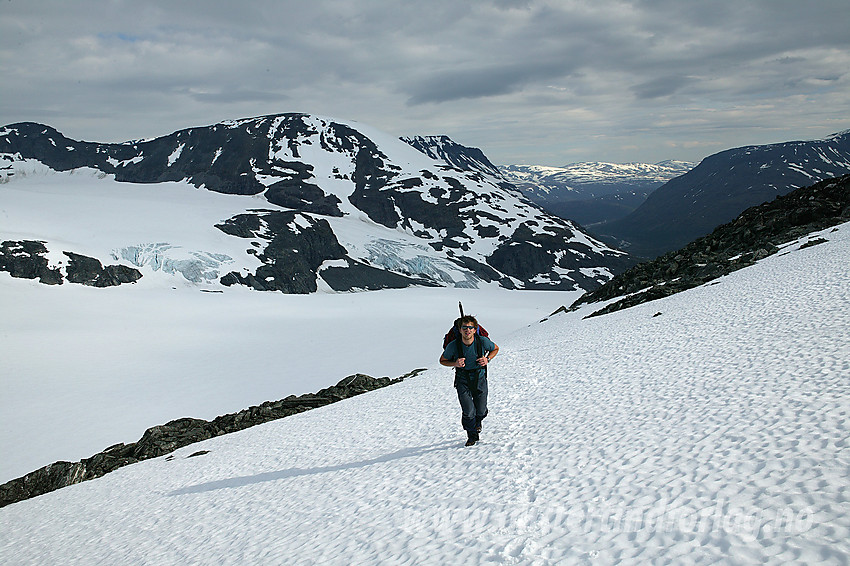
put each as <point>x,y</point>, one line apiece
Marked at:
<point>454,331</point>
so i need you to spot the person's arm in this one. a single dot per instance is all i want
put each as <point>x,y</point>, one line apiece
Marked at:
<point>459,363</point>
<point>484,360</point>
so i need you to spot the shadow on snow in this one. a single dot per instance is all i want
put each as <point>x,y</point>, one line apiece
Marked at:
<point>297,472</point>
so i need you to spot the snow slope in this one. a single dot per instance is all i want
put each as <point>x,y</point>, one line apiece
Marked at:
<point>83,369</point>
<point>150,226</point>
<point>715,431</point>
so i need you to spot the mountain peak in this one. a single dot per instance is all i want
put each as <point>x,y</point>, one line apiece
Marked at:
<point>337,205</point>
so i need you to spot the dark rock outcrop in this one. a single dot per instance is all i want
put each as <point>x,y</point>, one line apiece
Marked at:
<point>529,252</point>
<point>357,275</point>
<point>754,235</point>
<point>297,247</point>
<point>89,271</point>
<point>25,259</point>
<point>164,439</point>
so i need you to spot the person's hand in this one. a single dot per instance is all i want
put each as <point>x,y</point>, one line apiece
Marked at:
<point>483,361</point>
<point>461,362</point>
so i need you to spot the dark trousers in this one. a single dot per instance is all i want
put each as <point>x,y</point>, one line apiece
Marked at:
<point>472,394</point>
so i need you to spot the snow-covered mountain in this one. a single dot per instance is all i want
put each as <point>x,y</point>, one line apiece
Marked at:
<point>443,148</point>
<point>591,179</point>
<point>721,187</point>
<point>304,203</point>
<point>706,427</point>
<point>592,192</point>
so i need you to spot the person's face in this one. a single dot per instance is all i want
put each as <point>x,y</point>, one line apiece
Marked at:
<point>467,331</point>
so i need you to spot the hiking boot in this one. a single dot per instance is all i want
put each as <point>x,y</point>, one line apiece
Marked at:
<point>470,442</point>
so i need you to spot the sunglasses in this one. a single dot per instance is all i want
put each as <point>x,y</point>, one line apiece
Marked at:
<point>467,328</point>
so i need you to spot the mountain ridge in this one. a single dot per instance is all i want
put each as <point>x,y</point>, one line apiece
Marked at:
<point>443,148</point>
<point>597,172</point>
<point>758,232</point>
<point>722,186</point>
<point>432,223</point>
<point>592,192</point>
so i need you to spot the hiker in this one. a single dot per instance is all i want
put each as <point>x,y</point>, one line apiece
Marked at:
<point>469,354</point>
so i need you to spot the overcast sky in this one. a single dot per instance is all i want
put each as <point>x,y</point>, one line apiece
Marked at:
<point>536,82</point>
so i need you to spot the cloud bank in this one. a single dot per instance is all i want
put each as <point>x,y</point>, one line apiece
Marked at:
<point>527,81</point>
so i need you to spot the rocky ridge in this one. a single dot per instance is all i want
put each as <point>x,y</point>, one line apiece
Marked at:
<point>164,439</point>
<point>593,192</point>
<point>443,148</point>
<point>757,233</point>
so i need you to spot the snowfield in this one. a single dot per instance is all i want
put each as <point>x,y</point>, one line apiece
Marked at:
<point>83,369</point>
<point>706,427</point>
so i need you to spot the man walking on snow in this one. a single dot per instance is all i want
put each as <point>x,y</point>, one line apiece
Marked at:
<point>469,354</point>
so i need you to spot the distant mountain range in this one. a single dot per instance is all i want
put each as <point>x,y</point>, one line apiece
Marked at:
<point>327,205</point>
<point>593,192</point>
<point>758,232</point>
<point>721,187</point>
<point>344,207</point>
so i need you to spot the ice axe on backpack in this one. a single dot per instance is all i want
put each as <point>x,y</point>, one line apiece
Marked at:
<point>457,322</point>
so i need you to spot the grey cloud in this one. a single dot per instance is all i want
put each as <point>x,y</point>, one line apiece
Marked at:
<point>483,82</point>
<point>659,87</point>
<point>236,95</point>
<point>506,73</point>
<point>791,60</point>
